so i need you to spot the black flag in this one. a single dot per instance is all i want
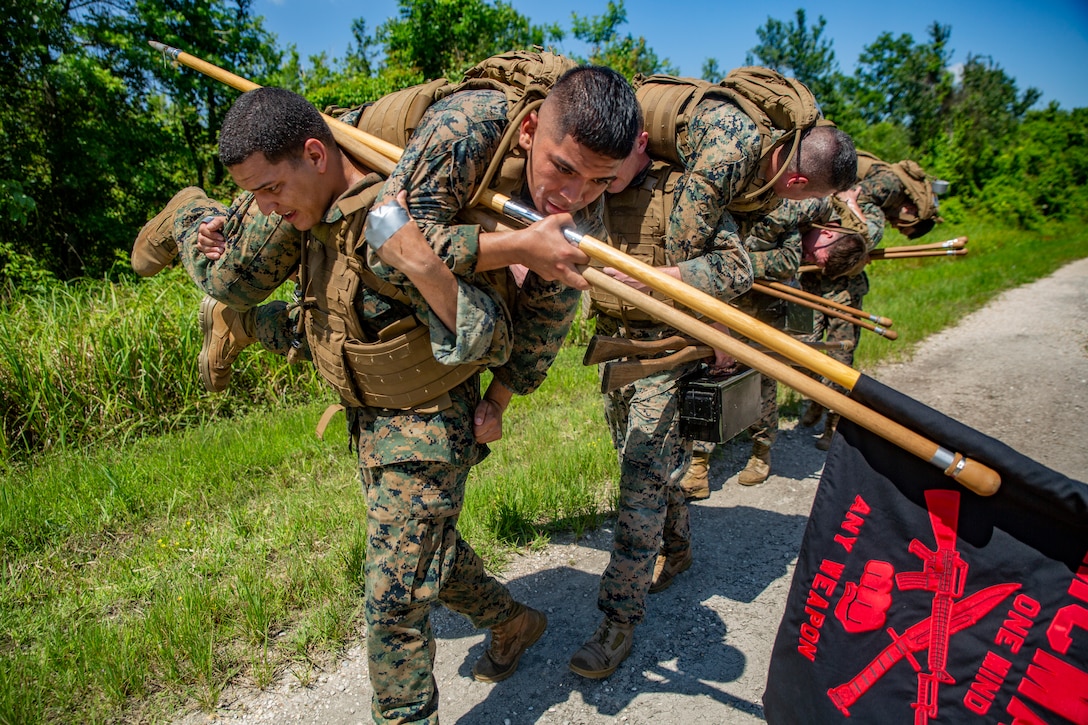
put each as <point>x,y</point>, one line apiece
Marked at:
<point>915,599</point>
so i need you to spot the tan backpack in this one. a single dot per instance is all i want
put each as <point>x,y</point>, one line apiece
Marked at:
<point>525,76</point>
<point>866,163</point>
<point>919,187</point>
<point>774,102</point>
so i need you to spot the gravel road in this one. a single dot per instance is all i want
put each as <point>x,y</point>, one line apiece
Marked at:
<point>1016,370</point>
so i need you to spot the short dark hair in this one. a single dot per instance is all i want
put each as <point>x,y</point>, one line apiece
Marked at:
<point>596,106</point>
<point>828,157</point>
<point>274,121</point>
<point>848,255</point>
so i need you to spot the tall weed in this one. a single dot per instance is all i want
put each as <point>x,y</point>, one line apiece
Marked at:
<point>95,361</point>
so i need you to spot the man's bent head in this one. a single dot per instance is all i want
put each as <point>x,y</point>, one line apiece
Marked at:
<point>825,162</point>
<point>579,138</point>
<point>274,121</point>
<point>277,146</point>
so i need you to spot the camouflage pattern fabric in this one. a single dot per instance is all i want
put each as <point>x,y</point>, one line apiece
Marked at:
<point>844,290</point>
<point>416,558</point>
<point>643,418</point>
<point>882,196</point>
<point>419,556</point>
<point>702,239</point>
<point>261,253</point>
<point>773,242</point>
<point>765,429</point>
<point>441,169</point>
<point>773,239</point>
<point>413,464</point>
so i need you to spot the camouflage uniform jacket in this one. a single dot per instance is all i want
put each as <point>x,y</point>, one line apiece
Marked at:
<point>773,242</point>
<point>441,168</point>
<point>882,195</point>
<point>773,239</point>
<point>721,158</point>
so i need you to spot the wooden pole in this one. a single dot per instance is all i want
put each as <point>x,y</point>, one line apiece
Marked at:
<point>883,321</point>
<point>976,476</point>
<point>825,309</point>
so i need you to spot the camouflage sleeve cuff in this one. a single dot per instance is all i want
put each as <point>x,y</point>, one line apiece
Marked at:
<point>482,334</point>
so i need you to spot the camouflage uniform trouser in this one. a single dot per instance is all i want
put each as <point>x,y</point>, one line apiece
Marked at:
<point>831,329</point>
<point>415,559</point>
<point>644,420</point>
<point>765,430</point>
<point>261,253</point>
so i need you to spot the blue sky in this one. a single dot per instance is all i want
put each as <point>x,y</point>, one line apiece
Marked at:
<point>1042,44</point>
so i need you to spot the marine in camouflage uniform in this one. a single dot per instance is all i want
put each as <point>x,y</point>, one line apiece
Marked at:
<point>413,534</point>
<point>773,242</point>
<point>703,247</point>
<point>702,241</point>
<point>414,463</point>
<point>882,198</point>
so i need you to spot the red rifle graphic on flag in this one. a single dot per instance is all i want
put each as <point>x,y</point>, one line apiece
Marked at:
<point>944,573</point>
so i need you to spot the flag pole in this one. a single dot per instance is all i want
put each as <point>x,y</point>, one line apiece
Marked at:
<point>381,156</point>
<point>825,309</point>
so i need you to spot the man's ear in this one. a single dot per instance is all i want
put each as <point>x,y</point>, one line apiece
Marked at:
<point>528,130</point>
<point>314,152</point>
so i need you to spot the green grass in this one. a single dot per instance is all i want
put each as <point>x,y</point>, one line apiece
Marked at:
<point>925,295</point>
<point>143,578</point>
<point>92,362</point>
<point>143,574</point>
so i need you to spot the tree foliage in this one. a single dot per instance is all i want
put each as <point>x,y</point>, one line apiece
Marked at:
<point>442,38</point>
<point>802,52</point>
<point>99,131</point>
<point>625,53</point>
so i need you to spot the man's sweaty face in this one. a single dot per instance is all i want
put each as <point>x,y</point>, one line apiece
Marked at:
<point>291,188</point>
<point>562,174</point>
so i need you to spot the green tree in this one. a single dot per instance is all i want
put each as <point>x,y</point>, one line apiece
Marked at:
<point>225,33</point>
<point>442,38</point>
<point>905,83</point>
<point>99,130</point>
<point>711,71</point>
<point>624,53</point>
<point>799,51</point>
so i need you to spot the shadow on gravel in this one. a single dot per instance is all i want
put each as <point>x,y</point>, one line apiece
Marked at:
<point>680,648</point>
<point>794,455</point>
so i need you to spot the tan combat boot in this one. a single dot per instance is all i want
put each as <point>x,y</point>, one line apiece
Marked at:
<point>226,333</point>
<point>667,567</point>
<point>602,653</point>
<point>824,441</point>
<point>509,641</point>
<point>696,480</point>
<point>155,244</point>
<point>812,414</point>
<point>759,466</point>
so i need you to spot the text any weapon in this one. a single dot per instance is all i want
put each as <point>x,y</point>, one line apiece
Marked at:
<point>381,156</point>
